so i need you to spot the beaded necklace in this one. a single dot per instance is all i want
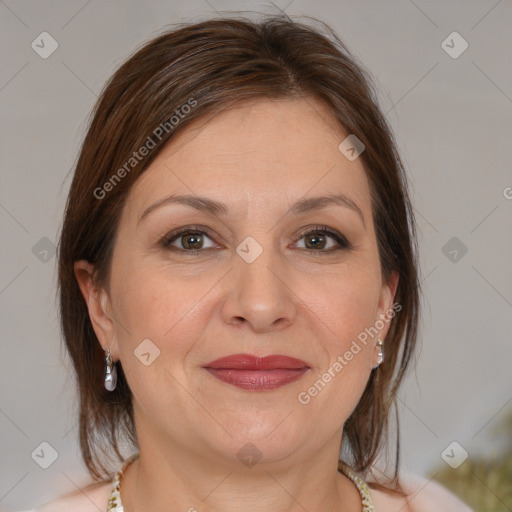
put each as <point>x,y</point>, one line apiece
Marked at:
<point>115,505</point>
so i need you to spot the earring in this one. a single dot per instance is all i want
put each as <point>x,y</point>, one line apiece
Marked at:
<point>380,344</point>
<point>110,372</point>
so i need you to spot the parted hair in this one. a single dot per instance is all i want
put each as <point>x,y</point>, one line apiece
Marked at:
<point>211,66</point>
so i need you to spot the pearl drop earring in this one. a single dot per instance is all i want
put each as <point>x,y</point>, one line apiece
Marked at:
<point>380,355</point>
<point>110,372</point>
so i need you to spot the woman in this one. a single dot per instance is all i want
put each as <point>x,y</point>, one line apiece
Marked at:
<point>238,279</point>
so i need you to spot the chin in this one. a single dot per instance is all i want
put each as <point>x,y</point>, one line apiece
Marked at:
<point>264,437</point>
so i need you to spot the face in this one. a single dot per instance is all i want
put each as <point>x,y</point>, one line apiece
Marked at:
<point>251,261</point>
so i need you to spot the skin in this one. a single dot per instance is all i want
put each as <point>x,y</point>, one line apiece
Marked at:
<point>309,303</point>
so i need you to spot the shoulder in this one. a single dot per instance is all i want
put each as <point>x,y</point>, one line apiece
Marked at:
<point>423,495</point>
<point>92,498</point>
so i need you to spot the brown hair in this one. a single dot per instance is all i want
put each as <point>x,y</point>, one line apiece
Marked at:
<point>210,66</point>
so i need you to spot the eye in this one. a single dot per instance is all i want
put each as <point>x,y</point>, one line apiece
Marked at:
<point>192,240</point>
<point>188,240</point>
<point>322,239</point>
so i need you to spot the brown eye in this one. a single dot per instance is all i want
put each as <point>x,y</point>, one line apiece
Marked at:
<point>315,241</point>
<point>192,241</point>
<point>323,240</point>
<point>188,240</point>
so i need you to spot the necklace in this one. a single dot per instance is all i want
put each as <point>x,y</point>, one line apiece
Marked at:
<point>115,505</point>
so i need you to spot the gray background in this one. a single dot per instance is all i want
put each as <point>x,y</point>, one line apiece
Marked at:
<point>452,119</point>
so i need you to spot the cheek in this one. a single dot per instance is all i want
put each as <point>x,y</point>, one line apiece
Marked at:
<point>161,323</point>
<point>346,303</point>
<point>159,306</point>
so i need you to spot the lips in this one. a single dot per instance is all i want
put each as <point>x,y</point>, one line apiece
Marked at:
<point>257,373</point>
<point>250,362</point>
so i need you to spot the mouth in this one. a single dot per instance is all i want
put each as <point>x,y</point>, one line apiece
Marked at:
<point>254,373</point>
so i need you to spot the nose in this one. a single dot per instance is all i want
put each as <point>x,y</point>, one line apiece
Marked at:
<point>259,295</point>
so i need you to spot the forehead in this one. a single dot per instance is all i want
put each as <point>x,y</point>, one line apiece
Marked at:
<point>258,153</point>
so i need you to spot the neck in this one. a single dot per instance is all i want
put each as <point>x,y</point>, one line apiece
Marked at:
<point>191,482</point>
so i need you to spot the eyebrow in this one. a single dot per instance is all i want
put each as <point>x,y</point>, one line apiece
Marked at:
<point>305,205</point>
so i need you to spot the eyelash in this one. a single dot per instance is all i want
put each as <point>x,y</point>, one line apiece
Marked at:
<point>343,243</point>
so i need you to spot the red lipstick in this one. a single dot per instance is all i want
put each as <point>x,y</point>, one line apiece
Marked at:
<point>257,373</point>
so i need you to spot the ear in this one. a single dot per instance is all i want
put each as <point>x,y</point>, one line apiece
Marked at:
<point>387,309</point>
<point>99,307</point>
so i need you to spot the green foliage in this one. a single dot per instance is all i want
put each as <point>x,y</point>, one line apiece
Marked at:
<point>485,484</point>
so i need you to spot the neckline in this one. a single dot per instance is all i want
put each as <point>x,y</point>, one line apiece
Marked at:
<point>115,504</point>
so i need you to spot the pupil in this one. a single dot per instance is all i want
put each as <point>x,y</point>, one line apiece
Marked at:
<point>315,241</point>
<point>192,241</point>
